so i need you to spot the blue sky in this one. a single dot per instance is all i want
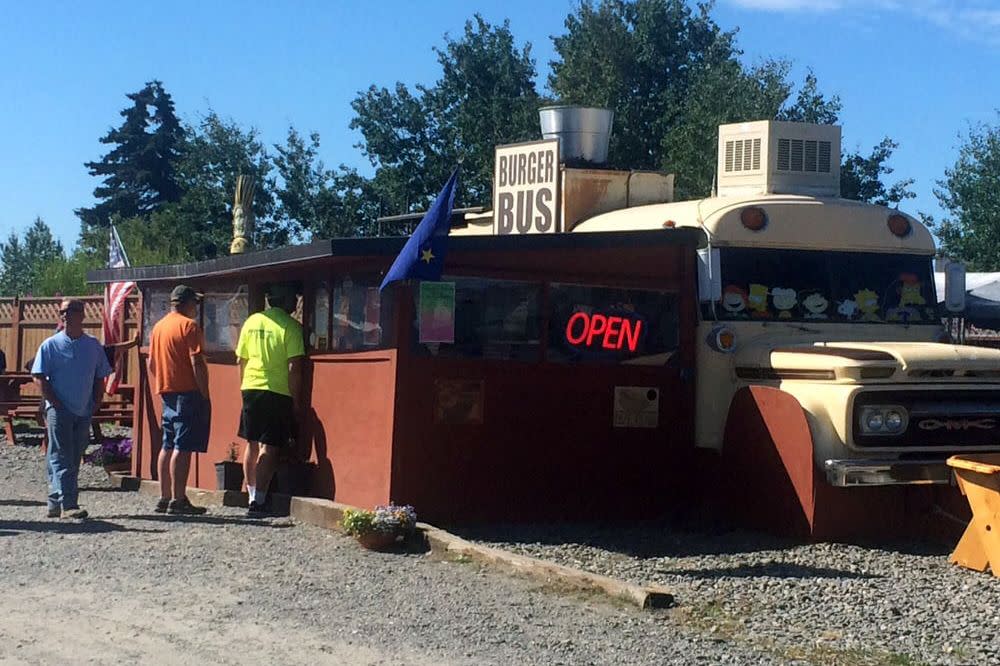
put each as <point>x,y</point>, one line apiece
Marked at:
<point>917,70</point>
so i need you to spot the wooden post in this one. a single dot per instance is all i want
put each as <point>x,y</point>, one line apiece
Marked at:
<point>15,333</point>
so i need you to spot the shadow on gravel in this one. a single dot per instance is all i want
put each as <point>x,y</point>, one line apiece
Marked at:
<point>776,570</point>
<point>16,502</point>
<point>205,520</point>
<point>103,489</point>
<point>14,527</point>
<point>643,541</point>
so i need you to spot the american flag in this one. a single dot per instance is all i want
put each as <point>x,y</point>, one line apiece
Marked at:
<point>115,294</point>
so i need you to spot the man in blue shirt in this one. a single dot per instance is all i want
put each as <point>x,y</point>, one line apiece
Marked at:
<point>70,368</point>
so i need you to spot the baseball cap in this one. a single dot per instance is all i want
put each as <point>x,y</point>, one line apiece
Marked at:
<point>183,293</point>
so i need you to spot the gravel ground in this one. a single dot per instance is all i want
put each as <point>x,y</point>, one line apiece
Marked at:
<point>131,586</point>
<point>820,603</point>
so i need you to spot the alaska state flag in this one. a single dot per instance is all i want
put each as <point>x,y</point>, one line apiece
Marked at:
<point>422,257</point>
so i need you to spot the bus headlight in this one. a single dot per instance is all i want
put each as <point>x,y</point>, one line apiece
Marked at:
<point>883,420</point>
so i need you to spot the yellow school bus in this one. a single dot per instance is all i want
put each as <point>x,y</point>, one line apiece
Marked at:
<point>829,306</point>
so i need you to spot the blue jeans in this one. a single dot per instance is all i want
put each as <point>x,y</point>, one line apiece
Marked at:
<point>68,437</point>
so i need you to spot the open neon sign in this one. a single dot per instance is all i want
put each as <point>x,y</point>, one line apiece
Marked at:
<point>604,331</point>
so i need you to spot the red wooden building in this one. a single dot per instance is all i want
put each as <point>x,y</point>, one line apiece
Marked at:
<point>567,391</point>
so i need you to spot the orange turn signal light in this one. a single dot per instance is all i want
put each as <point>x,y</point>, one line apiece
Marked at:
<point>899,225</point>
<point>753,218</point>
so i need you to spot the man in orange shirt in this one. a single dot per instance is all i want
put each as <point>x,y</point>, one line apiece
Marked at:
<point>180,376</point>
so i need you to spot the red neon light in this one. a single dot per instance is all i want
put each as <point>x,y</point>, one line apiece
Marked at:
<point>611,331</point>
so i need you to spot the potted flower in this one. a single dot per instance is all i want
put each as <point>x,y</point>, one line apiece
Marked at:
<point>382,528</point>
<point>114,454</point>
<point>229,472</point>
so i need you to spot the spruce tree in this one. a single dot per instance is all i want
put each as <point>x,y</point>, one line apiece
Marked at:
<point>139,172</point>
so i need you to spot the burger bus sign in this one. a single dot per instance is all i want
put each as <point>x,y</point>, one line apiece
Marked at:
<point>525,182</point>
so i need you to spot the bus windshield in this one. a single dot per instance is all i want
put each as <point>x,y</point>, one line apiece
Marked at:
<point>810,285</point>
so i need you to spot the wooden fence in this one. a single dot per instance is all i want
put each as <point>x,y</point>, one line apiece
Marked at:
<point>26,322</point>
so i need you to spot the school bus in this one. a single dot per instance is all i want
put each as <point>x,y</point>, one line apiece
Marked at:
<point>820,339</point>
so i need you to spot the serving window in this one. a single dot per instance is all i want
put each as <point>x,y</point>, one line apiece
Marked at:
<point>222,315</point>
<point>349,313</point>
<point>155,306</point>
<point>508,320</point>
<point>490,319</point>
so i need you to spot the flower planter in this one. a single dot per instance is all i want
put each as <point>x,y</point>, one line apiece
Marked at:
<point>377,540</point>
<point>229,476</point>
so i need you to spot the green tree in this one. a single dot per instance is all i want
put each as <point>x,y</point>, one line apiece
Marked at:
<point>218,150</point>
<point>326,203</point>
<point>486,96</point>
<point>672,76</point>
<point>642,59</point>
<point>970,193</point>
<point>140,171</point>
<point>861,177</point>
<point>67,276</point>
<point>25,258</point>
<point>719,94</point>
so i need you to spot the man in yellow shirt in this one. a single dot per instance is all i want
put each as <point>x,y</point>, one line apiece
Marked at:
<point>270,350</point>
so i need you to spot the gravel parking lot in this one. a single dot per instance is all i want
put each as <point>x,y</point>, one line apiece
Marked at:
<point>130,585</point>
<point>897,604</point>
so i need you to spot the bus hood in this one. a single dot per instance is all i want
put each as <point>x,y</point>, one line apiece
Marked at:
<point>917,359</point>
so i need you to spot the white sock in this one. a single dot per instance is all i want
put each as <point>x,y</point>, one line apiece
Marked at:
<point>252,492</point>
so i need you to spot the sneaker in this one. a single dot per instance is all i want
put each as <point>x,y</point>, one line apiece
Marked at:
<point>55,512</point>
<point>256,509</point>
<point>75,513</point>
<point>162,504</point>
<point>184,507</point>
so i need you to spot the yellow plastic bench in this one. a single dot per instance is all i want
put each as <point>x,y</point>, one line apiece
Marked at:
<point>979,480</point>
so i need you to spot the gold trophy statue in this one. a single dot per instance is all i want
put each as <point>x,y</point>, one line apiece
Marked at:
<point>243,214</point>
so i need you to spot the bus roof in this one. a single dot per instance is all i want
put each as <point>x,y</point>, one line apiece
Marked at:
<point>800,222</point>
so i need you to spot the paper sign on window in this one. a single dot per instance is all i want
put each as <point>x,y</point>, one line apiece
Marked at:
<point>637,407</point>
<point>436,321</point>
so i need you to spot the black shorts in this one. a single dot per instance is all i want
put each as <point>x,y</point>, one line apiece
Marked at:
<point>267,417</point>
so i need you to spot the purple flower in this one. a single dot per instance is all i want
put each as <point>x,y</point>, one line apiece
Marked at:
<point>111,450</point>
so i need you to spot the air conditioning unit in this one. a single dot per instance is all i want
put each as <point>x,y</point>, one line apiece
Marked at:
<point>773,157</point>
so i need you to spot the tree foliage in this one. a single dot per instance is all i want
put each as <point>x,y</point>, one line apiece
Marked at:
<point>324,203</point>
<point>640,58</point>
<point>486,96</point>
<point>217,151</point>
<point>140,171</point>
<point>669,72</point>
<point>27,259</point>
<point>970,193</point>
<point>861,177</point>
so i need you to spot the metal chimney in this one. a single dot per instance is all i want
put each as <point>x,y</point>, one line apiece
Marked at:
<point>583,131</point>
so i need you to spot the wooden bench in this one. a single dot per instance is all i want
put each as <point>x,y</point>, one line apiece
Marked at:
<point>120,412</point>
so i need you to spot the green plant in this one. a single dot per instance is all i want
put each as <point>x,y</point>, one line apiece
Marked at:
<point>388,519</point>
<point>358,521</point>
